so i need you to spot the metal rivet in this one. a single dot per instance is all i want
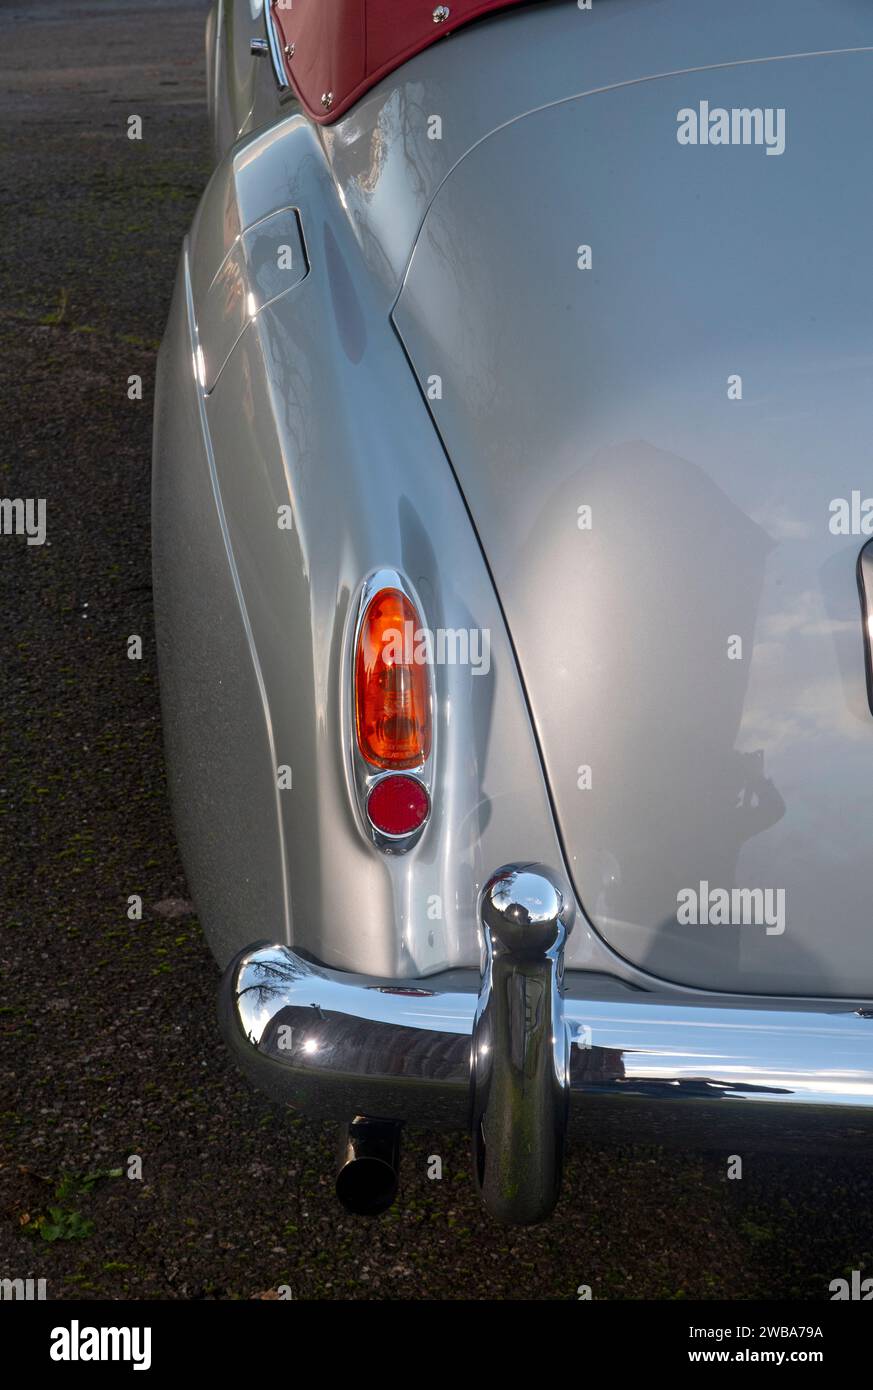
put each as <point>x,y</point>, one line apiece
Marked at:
<point>441,14</point>
<point>289,50</point>
<point>327,100</point>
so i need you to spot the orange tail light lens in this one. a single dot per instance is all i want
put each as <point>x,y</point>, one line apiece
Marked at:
<point>392,689</point>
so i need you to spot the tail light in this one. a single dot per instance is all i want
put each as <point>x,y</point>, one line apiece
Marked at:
<point>392,688</point>
<point>398,805</point>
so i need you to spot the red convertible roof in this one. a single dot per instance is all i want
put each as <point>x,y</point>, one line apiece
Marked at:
<point>336,49</point>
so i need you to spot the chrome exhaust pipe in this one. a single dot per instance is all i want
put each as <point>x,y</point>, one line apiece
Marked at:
<point>521,1045</point>
<point>368,1169</point>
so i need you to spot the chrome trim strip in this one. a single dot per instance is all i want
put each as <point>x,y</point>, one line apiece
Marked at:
<point>275,50</point>
<point>865,588</point>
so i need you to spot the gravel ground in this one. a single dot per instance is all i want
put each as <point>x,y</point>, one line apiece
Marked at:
<point>109,1043</point>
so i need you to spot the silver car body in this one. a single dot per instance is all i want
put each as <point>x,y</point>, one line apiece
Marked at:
<point>554,454</point>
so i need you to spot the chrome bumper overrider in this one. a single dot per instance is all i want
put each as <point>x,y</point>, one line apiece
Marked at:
<point>526,1052</point>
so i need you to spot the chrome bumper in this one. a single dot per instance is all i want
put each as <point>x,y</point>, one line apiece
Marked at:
<point>519,1054</point>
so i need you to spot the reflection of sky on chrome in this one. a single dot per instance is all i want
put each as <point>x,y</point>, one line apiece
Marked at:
<point>800,1086</point>
<point>799,1083</point>
<point>443,1013</point>
<point>256,1021</point>
<point>792,1046</point>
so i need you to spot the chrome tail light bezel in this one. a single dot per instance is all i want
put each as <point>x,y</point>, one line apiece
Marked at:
<point>363,775</point>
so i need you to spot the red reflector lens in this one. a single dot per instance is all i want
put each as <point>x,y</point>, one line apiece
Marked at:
<point>398,805</point>
<point>392,688</point>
